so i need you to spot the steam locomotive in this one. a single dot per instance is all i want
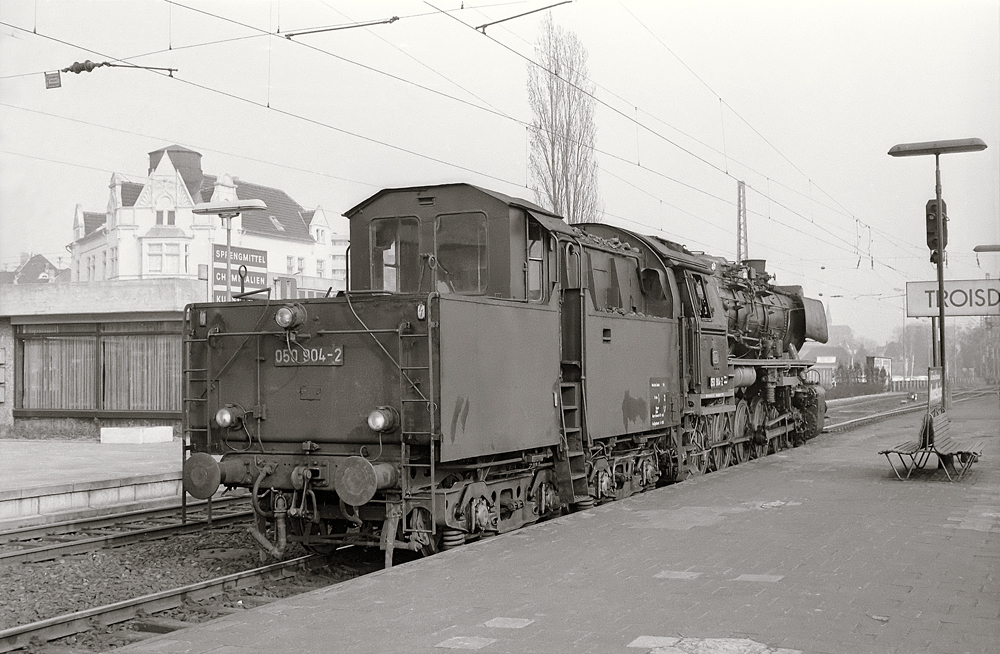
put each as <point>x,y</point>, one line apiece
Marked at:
<point>490,366</point>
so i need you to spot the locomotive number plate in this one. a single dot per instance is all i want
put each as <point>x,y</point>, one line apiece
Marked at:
<point>327,355</point>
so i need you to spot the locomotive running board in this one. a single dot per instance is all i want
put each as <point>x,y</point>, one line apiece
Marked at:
<point>773,363</point>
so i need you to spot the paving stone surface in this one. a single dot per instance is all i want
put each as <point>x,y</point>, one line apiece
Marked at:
<point>818,549</point>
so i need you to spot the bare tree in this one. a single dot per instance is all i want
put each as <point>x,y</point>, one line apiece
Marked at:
<point>562,164</point>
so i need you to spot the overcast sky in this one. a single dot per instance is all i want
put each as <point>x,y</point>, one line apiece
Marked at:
<point>799,99</point>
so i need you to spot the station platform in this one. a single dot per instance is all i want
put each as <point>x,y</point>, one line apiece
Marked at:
<point>818,549</point>
<point>46,481</point>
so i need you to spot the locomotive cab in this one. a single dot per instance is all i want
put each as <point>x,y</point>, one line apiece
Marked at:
<point>454,239</point>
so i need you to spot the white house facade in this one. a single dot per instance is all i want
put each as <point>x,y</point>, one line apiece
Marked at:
<point>148,231</point>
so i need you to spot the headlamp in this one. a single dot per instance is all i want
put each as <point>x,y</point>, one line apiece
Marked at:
<point>383,419</point>
<point>290,316</point>
<point>229,417</point>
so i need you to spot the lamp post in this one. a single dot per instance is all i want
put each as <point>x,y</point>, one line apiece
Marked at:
<point>937,148</point>
<point>995,359</point>
<point>227,211</point>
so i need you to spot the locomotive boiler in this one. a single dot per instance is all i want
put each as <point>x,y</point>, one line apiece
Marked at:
<point>489,366</point>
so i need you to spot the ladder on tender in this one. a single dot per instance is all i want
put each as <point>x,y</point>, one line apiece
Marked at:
<point>194,397</point>
<point>571,471</point>
<point>416,395</point>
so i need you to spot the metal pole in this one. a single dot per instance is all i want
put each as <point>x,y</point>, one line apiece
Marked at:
<point>940,278</point>
<point>229,255</point>
<point>934,342</point>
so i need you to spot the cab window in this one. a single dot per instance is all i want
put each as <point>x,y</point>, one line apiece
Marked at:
<point>395,254</point>
<point>460,241</point>
<point>703,308</point>
<point>604,290</point>
<point>536,262</point>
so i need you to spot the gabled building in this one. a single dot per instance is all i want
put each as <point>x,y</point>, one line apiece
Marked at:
<point>35,269</point>
<point>107,350</point>
<point>148,231</point>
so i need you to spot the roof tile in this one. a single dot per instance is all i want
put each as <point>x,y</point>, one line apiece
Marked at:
<point>287,211</point>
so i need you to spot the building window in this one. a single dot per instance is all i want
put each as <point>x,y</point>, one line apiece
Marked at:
<point>172,258</point>
<point>104,264</point>
<point>170,217</point>
<point>114,262</point>
<point>91,268</point>
<point>187,258</point>
<point>155,263</point>
<point>131,367</point>
<point>302,265</point>
<point>291,265</point>
<point>159,217</point>
<point>59,373</point>
<point>319,267</point>
<point>320,236</point>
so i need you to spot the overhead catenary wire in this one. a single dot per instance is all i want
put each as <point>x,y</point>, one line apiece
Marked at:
<point>631,119</point>
<point>466,168</point>
<point>504,115</point>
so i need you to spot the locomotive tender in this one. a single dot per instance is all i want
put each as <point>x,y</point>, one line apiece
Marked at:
<point>489,367</point>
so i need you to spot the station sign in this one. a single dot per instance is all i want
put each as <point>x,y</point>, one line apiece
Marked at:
<point>255,262</point>
<point>970,297</point>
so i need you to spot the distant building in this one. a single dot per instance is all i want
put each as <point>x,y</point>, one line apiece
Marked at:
<point>35,269</point>
<point>107,350</point>
<point>148,231</point>
<point>828,359</point>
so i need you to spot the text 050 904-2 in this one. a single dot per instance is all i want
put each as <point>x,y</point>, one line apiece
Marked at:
<point>327,355</point>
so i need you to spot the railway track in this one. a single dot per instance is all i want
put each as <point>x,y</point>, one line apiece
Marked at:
<point>80,621</point>
<point>45,542</point>
<point>845,425</point>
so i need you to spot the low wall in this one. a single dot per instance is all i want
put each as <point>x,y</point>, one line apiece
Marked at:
<point>76,429</point>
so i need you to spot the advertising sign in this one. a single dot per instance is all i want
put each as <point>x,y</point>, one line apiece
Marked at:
<point>255,262</point>
<point>972,297</point>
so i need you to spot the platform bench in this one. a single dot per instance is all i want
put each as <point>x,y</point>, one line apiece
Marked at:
<point>934,439</point>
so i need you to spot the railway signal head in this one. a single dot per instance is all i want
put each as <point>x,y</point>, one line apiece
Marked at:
<point>932,234</point>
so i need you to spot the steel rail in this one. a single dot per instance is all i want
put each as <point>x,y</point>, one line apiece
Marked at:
<point>78,546</point>
<point>111,519</point>
<point>885,415</point>
<point>74,623</point>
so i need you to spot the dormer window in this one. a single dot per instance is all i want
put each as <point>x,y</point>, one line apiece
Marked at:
<point>277,225</point>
